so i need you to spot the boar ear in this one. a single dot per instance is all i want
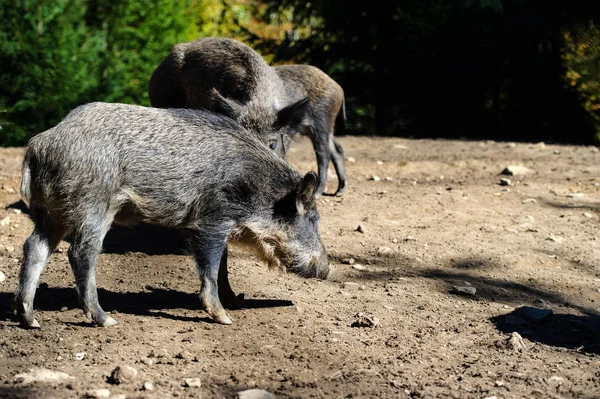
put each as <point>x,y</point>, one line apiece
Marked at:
<point>305,196</point>
<point>223,105</point>
<point>292,115</point>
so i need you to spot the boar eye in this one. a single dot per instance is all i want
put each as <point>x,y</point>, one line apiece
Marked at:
<point>273,145</point>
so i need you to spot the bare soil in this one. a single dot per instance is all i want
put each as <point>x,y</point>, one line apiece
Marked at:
<point>436,218</point>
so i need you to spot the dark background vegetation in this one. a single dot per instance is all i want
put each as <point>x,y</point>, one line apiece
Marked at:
<point>507,70</point>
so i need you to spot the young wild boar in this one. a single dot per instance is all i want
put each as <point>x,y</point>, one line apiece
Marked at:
<point>326,99</point>
<point>198,172</point>
<point>226,76</point>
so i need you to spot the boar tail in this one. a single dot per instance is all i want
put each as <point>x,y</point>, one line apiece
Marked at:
<point>26,180</point>
<point>340,122</point>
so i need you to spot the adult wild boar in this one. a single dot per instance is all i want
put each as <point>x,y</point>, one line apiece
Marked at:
<point>201,173</point>
<point>226,76</point>
<point>326,100</point>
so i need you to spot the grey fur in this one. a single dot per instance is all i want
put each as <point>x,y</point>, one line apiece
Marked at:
<point>226,76</point>
<point>326,100</point>
<point>195,171</point>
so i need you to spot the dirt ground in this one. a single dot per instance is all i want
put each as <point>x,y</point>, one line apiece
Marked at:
<point>434,216</point>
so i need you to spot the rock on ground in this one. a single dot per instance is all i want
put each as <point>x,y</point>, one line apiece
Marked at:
<point>123,375</point>
<point>41,375</point>
<point>255,394</point>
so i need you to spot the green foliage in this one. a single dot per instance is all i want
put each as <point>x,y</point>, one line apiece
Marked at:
<point>515,69</point>
<point>48,64</point>
<point>137,36</point>
<point>55,55</point>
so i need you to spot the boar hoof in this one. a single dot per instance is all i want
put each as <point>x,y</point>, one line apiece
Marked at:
<point>25,315</point>
<point>29,324</point>
<point>221,317</point>
<point>108,321</point>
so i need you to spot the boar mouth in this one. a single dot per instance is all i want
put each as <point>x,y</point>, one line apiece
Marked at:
<point>312,266</point>
<point>274,248</point>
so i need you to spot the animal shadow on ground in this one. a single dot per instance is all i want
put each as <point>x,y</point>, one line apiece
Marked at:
<point>581,333</point>
<point>563,330</point>
<point>21,392</point>
<point>571,205</point>
<point>144,238</point>
<point>154,302</point>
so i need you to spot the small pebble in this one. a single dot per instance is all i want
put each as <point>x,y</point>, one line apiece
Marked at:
<point>350,284</point>
<point>348,261</point>
<point>97,393</point>
<point>123,375</point>
<point>80,356</point>
<point>360,229</point>
<point>528,200</point>
<point>192,382</point>
<point>254,394</point>
<point>515,170</point>
<point>588,215</point>
<point>575,195</point>
<point>2,277</point>
<point>365,321</point>
<point>389,178</point>
<point>148,386</point>
<point>5,221</point>
<point>471,291</point>
<point>505,182</point>
<point>147,361</point>
<point>184,355</point>
<point>375,178</point>
<point>351,159</point>
<point>516,342</point>
<point>384,251</point>
<point>379,162</point>
<point>358,266</point>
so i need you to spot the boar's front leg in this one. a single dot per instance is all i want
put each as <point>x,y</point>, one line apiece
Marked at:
<point>208,253</point>
<point>226,294</point>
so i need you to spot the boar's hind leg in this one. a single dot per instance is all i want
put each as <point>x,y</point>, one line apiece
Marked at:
<point>208,255</point>
<point>320,140</point>
<point>226,294</point>
<point>83,254</point>
<point>337,156</point>
<point>36,252</point>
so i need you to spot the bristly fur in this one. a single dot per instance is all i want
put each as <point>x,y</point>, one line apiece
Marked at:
<point>326,101</point>
<point>189,76</point>
<point>195,171</point>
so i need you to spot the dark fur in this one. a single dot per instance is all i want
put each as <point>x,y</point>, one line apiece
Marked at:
<point>226,76</point>
<point>326,100</point>
<point>195,171</point>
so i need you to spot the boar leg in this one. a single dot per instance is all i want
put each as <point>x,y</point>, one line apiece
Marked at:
<point>226,294</point>
<point>36,252</point>
<point>337,156</point>
<point>208,260</point>
<point>83,254</point>
<point>321,147</point>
